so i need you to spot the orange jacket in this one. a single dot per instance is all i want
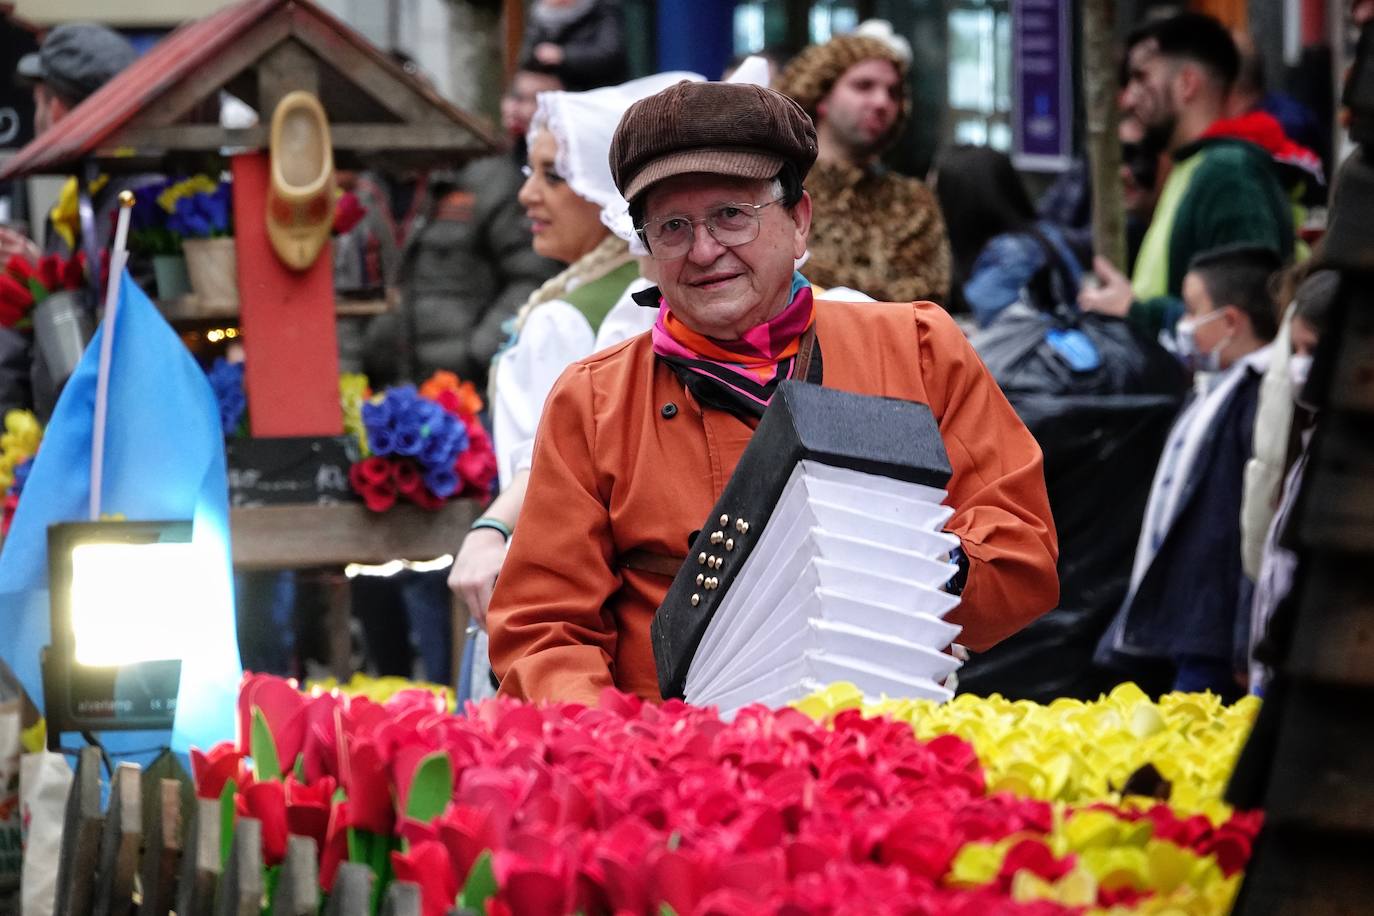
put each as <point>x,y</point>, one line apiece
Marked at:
<point>617,470</point>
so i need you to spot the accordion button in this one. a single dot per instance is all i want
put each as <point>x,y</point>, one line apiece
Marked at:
<point>701,577</point>
<point>729,543</point>
<point>724,520</point>
<point>717,537</point>
<point>701,558</point>
<point>741,526</point>
<point>696,599</point>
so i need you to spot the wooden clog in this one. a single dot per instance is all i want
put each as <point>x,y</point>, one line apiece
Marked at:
<point>300,197</point>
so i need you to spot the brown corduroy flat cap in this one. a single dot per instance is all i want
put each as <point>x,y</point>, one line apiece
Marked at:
<point>719,128</point>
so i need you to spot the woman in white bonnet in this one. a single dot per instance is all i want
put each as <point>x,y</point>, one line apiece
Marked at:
<point>579,218</point>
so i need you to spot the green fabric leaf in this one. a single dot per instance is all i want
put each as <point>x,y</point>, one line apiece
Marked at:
<point>226,820</point>
<point>480,886</point>
<point>263,748</point>
<point>666,909</point>
<point>431,788</point>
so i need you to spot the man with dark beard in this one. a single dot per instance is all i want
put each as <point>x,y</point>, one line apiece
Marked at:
<point>875,231</point>
<point>1220,191</point>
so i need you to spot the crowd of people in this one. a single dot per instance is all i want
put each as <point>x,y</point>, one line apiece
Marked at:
<point>634,276</point>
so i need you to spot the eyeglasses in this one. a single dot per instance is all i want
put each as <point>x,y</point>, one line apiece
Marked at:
<point>549,176</point>
<point>671,237</point>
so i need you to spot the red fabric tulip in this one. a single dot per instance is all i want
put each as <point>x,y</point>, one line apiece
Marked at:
<point>74,271</point>
<point>211,770</point>
<point>369,791</point>
<point>466,833</point>
<point>266,801</point>
<point>308,808</point>
<point>1231,847</point>
<point>11,290</point>
<point>19,267</point>
<point>1034,856</point>
<point>532,887</point>
<point>427,865</point>
<point>283,707</point>
<point>334,852</point>
<point>49,272</point>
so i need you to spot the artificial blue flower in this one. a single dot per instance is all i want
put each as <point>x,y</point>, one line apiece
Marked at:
<point>441,482</point>
<point>380,440</point>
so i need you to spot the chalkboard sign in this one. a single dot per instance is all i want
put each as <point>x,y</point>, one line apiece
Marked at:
<point>297,469</point>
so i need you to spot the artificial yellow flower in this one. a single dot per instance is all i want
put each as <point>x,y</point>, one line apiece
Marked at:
<point>1075,751</point>
<point>196,184</point>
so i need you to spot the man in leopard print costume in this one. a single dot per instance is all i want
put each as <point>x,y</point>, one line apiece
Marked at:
<point>874,230</point>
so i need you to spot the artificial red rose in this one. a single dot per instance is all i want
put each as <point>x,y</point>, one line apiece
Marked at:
<point>211,770</point>
<point>371,479</point>
<point>406,476</point>
<point>426,500</point>
<point>372,470</point>
<point>266,801</point>
<point>447,399</point>
<point>476,464</point>
<point>308,807</point>
<point>365,781</point>
<point>284,709</point>
<point>426,864</point>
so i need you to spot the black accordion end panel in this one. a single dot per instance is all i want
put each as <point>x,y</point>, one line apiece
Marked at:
<point>875,435</point>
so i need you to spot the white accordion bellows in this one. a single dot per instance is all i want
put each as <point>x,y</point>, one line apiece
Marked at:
<point>844,584</point>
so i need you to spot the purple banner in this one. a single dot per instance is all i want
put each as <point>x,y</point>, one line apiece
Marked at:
<point>1042,75</point>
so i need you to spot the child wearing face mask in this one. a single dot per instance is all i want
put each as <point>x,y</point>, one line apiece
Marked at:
<point>1311,307</point>
<point>1184,624</point>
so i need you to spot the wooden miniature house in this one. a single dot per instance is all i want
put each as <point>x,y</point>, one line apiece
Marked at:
<point>162,114</point>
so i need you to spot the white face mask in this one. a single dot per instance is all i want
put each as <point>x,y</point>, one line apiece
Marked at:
<point>1299,367</point>
<point>1185,336</point>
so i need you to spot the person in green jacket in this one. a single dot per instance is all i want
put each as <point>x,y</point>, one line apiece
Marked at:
<point>1219,190</point>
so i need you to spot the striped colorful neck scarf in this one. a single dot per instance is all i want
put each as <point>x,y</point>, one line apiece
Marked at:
<point>737,375</point>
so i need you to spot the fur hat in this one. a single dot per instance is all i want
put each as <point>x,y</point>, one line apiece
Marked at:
<point>811,75</point>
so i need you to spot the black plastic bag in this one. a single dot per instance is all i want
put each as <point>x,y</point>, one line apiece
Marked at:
<point>1068,352</point>
<point>1101,425</point>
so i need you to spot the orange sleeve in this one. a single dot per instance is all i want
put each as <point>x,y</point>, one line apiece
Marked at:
<point>552,637</point>
<point>1002,512</point>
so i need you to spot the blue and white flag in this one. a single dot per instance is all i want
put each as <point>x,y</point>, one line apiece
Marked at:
<point>163,459</point>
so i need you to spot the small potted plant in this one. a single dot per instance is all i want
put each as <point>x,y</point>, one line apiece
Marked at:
<point>201,215</point>
<point>150,235</point>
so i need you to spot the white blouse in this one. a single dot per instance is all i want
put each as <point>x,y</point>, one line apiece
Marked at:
<point>555,335</point>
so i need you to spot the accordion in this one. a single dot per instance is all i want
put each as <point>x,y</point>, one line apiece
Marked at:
<point>823,560</point>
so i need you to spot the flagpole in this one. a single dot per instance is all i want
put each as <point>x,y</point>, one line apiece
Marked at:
<point>119,256</point>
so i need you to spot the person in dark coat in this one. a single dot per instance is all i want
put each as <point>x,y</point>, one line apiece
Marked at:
<point>582,42</point>
<point>1179,625</point>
